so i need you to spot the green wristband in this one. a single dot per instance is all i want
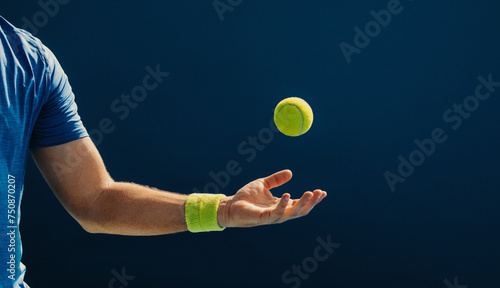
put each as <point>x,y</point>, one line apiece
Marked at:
<point>201,212</point>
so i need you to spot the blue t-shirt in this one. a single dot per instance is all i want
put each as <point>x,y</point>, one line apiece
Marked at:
<point>37,109</point>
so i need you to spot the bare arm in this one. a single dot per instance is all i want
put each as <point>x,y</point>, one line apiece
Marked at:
<point>78,177</point>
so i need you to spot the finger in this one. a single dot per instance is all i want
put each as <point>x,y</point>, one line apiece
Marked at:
<point>298,206</point>
<point>277,179</point>
<point>318,195</point>
<point>280,209</point>
<point>322,196</point>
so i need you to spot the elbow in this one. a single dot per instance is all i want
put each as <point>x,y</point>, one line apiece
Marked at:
<point>91,228</point>
<point>88,224</point>
<point>90,214</point>
<point>89,218</point>
<point>93,221</point>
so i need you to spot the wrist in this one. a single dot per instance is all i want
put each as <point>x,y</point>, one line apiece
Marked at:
<point>223,212</point>
<point>201,212</point>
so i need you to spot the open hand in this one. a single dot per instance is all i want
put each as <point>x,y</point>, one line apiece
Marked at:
<point>255,205</point>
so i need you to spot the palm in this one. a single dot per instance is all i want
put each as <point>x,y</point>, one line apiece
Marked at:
<point>255,205</point>
<point>252,204</point>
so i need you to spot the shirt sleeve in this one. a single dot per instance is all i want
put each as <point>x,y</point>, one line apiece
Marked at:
<point>58,121</point>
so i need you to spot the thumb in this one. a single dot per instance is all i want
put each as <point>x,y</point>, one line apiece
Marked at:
<point>277,179</point>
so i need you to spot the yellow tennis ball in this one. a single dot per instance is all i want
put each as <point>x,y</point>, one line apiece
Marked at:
<point>293,116</point>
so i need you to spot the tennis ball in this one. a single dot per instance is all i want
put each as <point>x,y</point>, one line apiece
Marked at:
<point>293,116</point>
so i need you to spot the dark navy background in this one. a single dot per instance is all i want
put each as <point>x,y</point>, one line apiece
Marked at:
<point>226,78</point>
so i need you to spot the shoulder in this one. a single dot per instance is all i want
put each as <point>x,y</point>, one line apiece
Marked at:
<point>24,46</point>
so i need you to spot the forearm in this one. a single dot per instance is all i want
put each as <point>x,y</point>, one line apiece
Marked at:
<point>78,177</point>
<point>131,209</point>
